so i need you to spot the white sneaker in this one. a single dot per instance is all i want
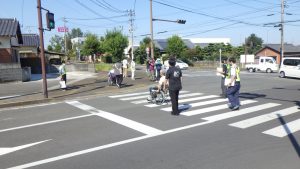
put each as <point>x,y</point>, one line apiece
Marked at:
<point>149,98</point>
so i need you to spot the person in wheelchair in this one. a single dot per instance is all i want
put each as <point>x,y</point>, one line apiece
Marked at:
<point>159,89</point>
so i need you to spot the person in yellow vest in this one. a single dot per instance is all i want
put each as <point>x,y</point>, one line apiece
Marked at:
<point>234,85</point>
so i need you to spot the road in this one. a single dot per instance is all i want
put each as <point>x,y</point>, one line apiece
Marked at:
<point>121,130</point>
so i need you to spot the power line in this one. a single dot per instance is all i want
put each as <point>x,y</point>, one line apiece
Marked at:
<point>207,15</point>
<point>119,16</point>
<point>89,9</point>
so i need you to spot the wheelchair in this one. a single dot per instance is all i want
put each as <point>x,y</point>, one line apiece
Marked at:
<point>159,96</point>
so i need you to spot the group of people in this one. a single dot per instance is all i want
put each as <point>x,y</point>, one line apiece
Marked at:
<point>231,82</point>
<point>153,67</point>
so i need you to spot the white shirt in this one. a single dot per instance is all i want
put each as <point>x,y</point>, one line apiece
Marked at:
<point>133,65</point>
<point>162,80</point>
<point>124,62</point>
<point>233,70</point>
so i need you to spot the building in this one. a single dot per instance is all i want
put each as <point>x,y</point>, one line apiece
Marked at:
<point>191,42</point>
<point>10,40</point>
<point>28,52</point>
<point>273,50</point>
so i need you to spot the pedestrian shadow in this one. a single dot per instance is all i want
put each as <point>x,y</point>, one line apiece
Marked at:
<point>290,135</point>
<point>251,95</point>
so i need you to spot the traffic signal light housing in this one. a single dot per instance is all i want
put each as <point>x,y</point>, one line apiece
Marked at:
<point>181,21</point>
<point>50,20</point>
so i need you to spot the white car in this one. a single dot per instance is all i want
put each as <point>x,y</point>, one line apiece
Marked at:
<point>179,63</point>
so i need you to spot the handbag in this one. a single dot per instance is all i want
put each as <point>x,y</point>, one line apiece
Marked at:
<point>62,84</point>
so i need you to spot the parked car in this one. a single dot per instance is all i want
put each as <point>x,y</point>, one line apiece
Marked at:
<point>290,67</point>
<point>179,63</point>
<point>266,64</point>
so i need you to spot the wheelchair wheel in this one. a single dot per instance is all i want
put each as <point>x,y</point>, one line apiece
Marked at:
<point>160,98</point>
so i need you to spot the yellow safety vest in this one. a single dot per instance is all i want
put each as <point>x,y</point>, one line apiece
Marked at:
<point>228,71</point>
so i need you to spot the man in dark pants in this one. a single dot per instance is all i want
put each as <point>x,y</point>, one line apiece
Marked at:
<point>224,76</point>
<point>174,77</point>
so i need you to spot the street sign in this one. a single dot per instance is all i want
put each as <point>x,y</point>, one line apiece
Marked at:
<point>63,29</point>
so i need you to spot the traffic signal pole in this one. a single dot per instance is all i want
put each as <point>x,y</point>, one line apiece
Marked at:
<point>151,30</point>
<point>42,52</point>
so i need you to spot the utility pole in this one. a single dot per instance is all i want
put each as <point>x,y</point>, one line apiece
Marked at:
<point>281,29</point>
<point>65,29</point>
<point>131,14</point>
<point>245,50</point>
<point>42,52</point>
<point>151,30</point>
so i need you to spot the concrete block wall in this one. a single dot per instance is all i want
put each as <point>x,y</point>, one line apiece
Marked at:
<point>80,67</point>
<point>10,72</point>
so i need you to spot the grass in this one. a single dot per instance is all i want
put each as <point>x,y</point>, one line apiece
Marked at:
<point>103,66</point>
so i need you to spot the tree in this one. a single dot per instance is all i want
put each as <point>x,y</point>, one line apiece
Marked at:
<point>175,46</point>
<point>253,43</point>
<point>56,44</point>
<point>91,45</point>
<point>114,44</point>
<point>75,32</point>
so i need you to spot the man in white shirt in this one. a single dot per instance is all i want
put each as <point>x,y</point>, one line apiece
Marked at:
<point>125,67</point>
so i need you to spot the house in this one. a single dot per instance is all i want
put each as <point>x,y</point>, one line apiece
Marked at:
<point>28,52</point>
<point>273,50</point>
<point>10,40</point>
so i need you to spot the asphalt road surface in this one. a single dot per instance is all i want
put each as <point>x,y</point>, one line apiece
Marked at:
<point>123,131</point>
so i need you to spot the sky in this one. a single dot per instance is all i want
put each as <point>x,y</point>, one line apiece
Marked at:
<point>234,19</point>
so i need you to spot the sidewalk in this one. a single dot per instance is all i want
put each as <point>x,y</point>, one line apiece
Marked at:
<point>80,85</point>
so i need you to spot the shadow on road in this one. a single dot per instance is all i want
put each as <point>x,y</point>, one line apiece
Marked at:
<point>290,135</point>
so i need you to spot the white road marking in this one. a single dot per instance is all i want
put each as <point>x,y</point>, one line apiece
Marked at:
<point>135,98</point>
<point>180,96</point>
<point>86,151</point>
<point>230,114</point>
<point>285,129</point>
<point>30,106</point>
<point>4,151</point>
<point>43,123</point>
<point>186,100</point>
<point>198,104</point>
<point>117,119</point>
<point>127,95</point>
<point>264,118</point>
<point>7,97</point>
<point>214,108</point>
<point>135,94</point>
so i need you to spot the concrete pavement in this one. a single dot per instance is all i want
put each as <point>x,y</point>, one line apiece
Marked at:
<point>80,85</point>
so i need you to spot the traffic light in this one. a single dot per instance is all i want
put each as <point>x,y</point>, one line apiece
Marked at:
<point>181,21</point>
<point>50,20</point>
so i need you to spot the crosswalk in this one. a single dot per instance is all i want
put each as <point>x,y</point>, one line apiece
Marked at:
<point>200,104</point>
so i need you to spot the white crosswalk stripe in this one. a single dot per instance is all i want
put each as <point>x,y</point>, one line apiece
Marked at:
<point>284,129</point>
<point>265,118</point>
<point>196,104</point>
<point>231,114</point>
<point>213,103</point>
<point>214,108</point>
<point>180,96</point>
<point>186,100</point>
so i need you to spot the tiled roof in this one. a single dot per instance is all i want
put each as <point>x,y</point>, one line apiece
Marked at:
<point>287,47</point>
<point>30,40</point>
<point>9,27</point>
